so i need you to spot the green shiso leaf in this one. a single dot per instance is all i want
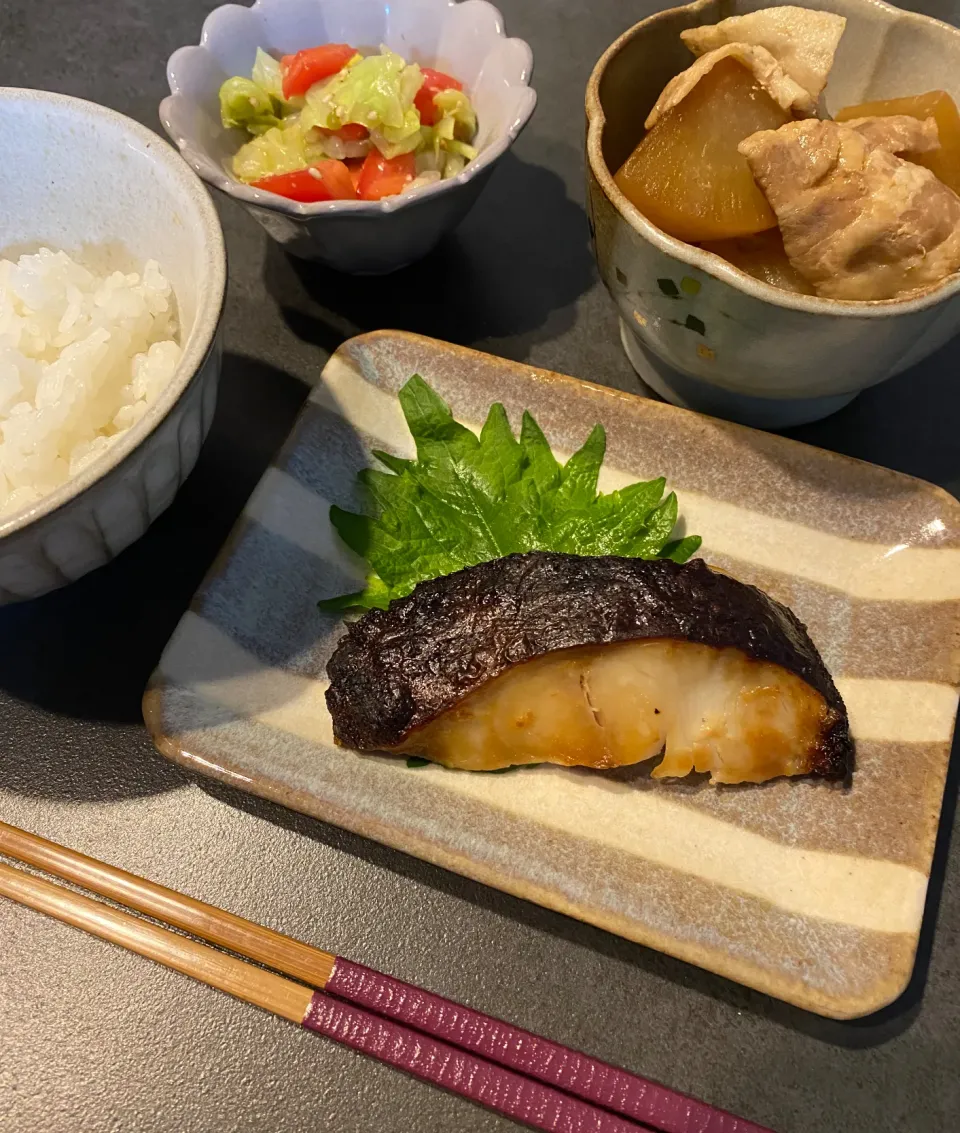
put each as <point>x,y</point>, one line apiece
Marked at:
<point>468,499</point>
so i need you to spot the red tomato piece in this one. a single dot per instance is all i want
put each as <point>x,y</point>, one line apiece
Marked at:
<point>383,177</point>
<point>355,166</point>
<point>433,83</point>
<point>351,132</point>
<point>299,72</point>
<point>299,186</point>
<point>325,181</point>
<point>336,179</point>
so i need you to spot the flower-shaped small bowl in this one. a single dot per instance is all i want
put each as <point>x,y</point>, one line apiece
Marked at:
<point>699,331</point>
<point>362,237</point>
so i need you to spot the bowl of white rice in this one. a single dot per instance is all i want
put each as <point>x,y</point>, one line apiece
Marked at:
<point>112,278</point>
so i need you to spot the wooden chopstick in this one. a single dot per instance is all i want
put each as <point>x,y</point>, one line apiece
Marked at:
<point>251,984</point>
<point>513,1095</point>
<point>282,953</point>
<point>632,1096</point>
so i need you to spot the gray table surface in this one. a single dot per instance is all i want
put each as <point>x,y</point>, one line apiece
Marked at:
<point>104,1042</point>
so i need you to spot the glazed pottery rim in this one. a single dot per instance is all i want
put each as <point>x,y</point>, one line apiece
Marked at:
<point>708,262</point>
<point>214,174</point>
<point>211,294</point>
<point>841,461</point>
<point>382,358</point>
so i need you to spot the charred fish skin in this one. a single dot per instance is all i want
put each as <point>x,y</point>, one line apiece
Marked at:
<point>397,669</point>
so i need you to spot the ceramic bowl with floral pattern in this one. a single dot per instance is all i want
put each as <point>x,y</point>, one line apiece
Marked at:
<point>699,331</point>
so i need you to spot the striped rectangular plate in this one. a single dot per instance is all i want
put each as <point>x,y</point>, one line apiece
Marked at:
<point>808,892</point>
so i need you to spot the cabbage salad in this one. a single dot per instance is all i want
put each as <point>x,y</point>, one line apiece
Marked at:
<point>330,124</point>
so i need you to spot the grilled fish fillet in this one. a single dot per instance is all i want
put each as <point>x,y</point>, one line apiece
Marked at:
<point>595,662</point>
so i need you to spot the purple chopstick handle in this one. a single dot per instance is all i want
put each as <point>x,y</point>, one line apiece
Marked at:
<point>513,1095</point>
<point>589,1078</point>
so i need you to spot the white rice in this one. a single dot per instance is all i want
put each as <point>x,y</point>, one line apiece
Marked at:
<point>82,357</point>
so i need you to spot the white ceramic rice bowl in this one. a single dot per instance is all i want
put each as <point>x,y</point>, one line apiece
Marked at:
<point>83,179</point>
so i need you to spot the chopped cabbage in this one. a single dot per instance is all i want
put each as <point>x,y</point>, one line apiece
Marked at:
<point>453,165</point>
<point>376,92</point>
<point>266,74</point>
<point>393,141</point>
<point>458,118</point>
<point>467,152</point>
<point>316,111</point>
<point>428,177</point>
<point>451,134</point>
<point>340,150</point>
<point>279,150</point>
<point>429,161</point>
<point>246,104</point>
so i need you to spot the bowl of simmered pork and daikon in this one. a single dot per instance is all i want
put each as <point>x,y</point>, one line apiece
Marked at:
<point>773,193</point>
